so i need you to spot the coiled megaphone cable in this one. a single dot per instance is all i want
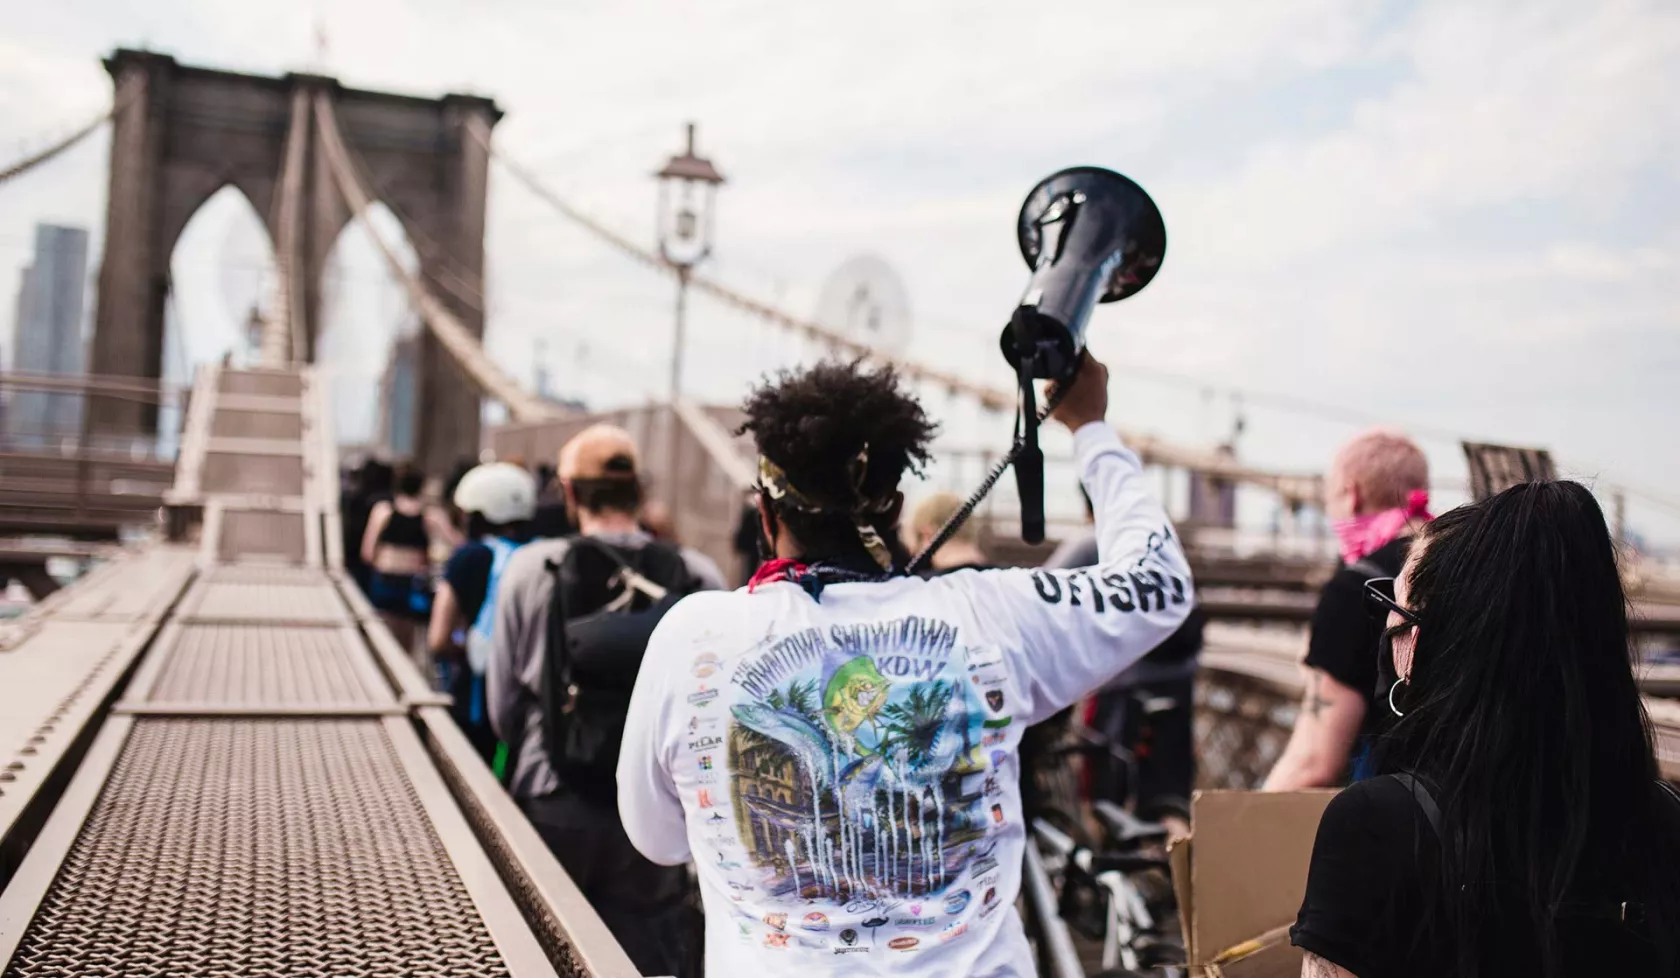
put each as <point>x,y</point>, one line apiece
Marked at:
<point>992,476</point>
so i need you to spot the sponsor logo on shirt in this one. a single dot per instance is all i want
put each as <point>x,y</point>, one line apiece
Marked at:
<point>994,699</point>
<point>705,743</point>
<point>875,922</point>
<point>697,724</point>
<point>953,932</point>
<point>956,902</point>
<point>704,797</point>
<point>704,697</point>
<point>913,921</point>
<point>997,758</point>
<point>991,787</point>
<point>984,660</point>
<point>776,940</point>
<point>982,866</point>
<point>705,664</point>
<point>987,680</point>
<point>848,938</point>
<point>705,762</point>
<point>989,902</point>
<point>993,737</point>
<point>860,907</point>
<point>903,943</point>
<point>776,920</point>
<point>815,921</point>
<point>997,814</point>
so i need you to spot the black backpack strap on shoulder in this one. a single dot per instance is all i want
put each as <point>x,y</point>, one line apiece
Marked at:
<point>557,671</point>
<point>1420,794</point>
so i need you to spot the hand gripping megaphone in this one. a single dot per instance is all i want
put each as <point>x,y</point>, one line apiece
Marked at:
<point>1089,235</point>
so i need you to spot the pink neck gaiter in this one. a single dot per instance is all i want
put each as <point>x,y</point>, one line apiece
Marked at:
<point>1361,535</point>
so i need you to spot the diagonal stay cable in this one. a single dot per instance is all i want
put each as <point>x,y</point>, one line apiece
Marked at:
<point>462,346</point>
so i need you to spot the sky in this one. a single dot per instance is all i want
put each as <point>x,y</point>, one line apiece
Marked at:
<point>1457,218</point>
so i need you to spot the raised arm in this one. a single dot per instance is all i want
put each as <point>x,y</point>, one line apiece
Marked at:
<point>1068,631</point>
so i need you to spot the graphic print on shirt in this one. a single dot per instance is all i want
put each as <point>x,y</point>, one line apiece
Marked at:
<point>858,756</point>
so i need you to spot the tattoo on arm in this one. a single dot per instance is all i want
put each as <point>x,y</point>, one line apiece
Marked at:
<point>1315,703</point>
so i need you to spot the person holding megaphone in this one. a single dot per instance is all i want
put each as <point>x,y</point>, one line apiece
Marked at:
<point>835,746</point>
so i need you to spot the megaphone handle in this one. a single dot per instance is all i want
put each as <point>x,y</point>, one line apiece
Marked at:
<point>1029,461</point>
<point>1032,419</point>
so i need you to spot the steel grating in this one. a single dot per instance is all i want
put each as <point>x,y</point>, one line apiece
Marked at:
<point>261,383</point>
<point>265,574</point>
<point>243,847</point>
<point>228,423</point>
<point>231,472</point>
<point>268,665</point>
<point>316,603</point>
<point>247,533</point>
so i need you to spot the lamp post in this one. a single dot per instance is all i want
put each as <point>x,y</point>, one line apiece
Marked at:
<point>687,195</point>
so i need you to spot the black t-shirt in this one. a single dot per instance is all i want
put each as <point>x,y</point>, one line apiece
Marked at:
<point>1370,904</point>
<point>468,574</point>
<point>1345,633</point>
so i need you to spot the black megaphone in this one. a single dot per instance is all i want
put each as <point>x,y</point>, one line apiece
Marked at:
<point>1089,235</point>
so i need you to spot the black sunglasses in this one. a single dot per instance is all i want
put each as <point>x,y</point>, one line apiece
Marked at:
<point>1379,601</point>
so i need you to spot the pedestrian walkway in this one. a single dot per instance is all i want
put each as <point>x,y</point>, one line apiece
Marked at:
<point>275,790</point>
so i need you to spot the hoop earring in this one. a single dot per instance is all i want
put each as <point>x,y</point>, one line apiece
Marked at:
<point>1391,707</point>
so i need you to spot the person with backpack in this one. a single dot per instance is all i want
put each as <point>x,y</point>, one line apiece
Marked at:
<point>837,746</point>
<point>1515,824</point>
<point>572,621</point>
<point>497,502</point>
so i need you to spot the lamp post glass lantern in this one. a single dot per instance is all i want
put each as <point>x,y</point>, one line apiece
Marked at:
<point>687,196</point>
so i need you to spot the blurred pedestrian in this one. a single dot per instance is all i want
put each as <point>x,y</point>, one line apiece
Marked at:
<point>1377,492</point>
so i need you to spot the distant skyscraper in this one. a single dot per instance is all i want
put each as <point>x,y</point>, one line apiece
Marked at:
<point>398,395</point>
<point>47,335</point>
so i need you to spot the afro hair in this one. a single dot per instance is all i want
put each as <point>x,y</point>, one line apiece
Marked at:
<point>813,422</point>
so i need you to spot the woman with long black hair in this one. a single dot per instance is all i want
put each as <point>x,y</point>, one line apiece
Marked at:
<point>1519,827</point>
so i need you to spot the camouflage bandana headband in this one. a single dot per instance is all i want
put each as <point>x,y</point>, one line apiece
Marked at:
<point>776,485</point>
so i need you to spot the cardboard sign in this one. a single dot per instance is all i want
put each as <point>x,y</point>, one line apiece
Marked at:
<point>1496,468</point>
<point>1240,877</point>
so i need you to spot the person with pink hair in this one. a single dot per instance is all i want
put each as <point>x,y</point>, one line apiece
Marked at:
<point>1377,494</point>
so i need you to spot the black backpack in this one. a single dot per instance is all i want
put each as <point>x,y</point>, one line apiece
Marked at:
<point>600,617</point>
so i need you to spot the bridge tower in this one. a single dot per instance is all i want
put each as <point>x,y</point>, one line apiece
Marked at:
<point>181,133</point>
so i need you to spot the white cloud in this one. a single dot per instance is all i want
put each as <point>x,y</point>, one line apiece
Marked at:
<point>1388,206</point>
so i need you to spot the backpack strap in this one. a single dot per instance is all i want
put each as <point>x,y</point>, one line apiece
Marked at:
<point>1420,794</point>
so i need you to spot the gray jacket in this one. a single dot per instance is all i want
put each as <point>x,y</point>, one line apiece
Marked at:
<point>513,679</point>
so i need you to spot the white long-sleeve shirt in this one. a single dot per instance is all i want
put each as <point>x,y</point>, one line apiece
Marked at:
<point>843,772</point>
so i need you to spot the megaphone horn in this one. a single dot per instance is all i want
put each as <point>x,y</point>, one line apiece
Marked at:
<point>1089,235</point>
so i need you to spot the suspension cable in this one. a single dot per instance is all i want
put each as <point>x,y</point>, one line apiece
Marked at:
<point>462,346</point>
<point>52,152</point>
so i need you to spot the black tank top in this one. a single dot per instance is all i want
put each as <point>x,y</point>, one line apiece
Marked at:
<point>406,531</point>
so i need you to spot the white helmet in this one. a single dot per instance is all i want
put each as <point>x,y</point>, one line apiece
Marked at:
<point>499,491</point>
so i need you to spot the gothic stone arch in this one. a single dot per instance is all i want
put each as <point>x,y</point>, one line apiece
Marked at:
<point>181,133</point>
